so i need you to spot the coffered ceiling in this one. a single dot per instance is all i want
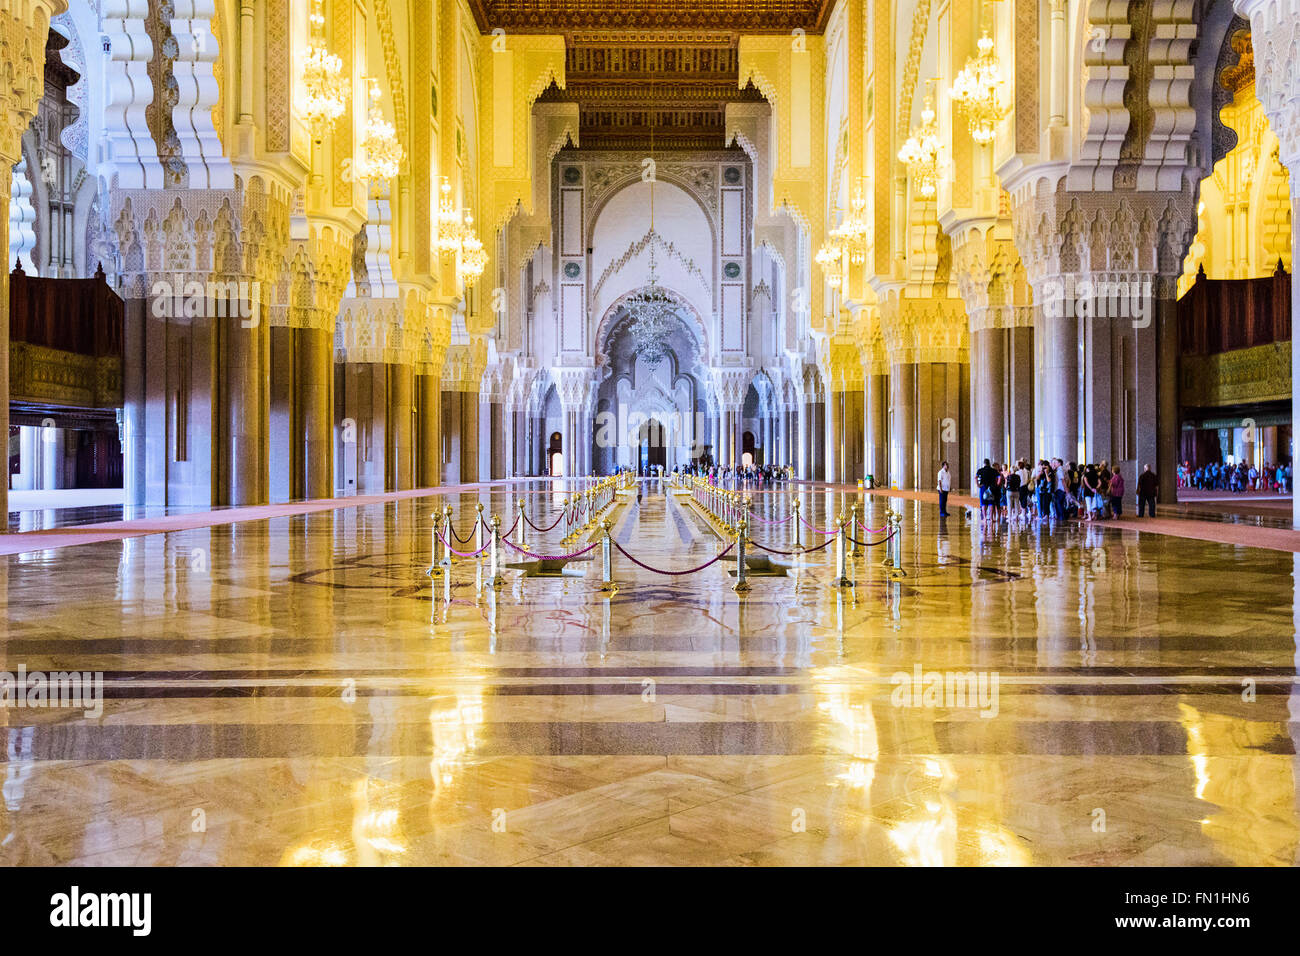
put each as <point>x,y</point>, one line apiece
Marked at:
<point>657,68</point>
<point>562,16</point>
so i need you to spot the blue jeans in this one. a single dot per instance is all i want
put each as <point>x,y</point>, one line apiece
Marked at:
<point>943,504</point>
<point>1058,504</point>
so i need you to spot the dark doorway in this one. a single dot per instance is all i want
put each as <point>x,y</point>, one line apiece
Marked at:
<point>555,456</point>
<point>747,448</point>
<point>653,450</point>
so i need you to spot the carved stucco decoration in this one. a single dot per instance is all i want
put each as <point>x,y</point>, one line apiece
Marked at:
<point>1275,34</point>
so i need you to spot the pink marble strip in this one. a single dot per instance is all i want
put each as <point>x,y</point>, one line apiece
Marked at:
<point>25,541</point>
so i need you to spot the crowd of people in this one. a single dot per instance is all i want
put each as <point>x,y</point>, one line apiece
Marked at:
<point>1019,492</point>
<point>1239,477</point>
<point>754,474</point>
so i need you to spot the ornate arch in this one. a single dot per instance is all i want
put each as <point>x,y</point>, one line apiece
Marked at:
<point>605,326</point>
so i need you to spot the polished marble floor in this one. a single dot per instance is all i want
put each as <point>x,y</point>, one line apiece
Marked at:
<point>297,691</point>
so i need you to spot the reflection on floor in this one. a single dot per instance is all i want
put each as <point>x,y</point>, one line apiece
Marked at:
<point>297,691</point>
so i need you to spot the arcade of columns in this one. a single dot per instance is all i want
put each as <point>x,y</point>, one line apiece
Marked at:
<point>373,366</point>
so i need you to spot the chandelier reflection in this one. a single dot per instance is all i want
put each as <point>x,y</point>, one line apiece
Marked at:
<point>653,315</point>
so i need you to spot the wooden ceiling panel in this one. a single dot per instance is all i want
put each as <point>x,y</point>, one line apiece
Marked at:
<point>667,66</point>
<point>563,16</point>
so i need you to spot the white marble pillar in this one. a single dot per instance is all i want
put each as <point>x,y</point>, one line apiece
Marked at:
<point>1056,345</point>
<point>52,452</point>
<point>988,395</point>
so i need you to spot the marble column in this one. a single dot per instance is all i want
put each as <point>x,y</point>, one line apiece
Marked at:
<point>500,427</point>
<point>1056,344</point>
<point>902,430</point>
<point>853,444</point>
<point>401,432</point>
<point>988,403</point>
<point>835,436</point>
<point>452,472</point>
<point>134,457</point>
<point>286,456</point>
<point>52,453</point>
<point>316,398</point>
<point>469,409</point>
<point>718,429</point>
<point>1020,393</point>
<point>790,442</point>
<point>245,439</point>
<point>817,436</point>
<point>1096,413</point>
<point>586,436</point>
<point>429,452</point>
<point>876,432</point>
<point>28,477</point>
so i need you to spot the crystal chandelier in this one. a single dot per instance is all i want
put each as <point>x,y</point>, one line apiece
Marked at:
<point>381,153</point>
<point>976,89</point>
<point>473,257</point>
<point>653,316</point>
<point>921,152</point>
<point>322,78</point>
<point>857,229</point>
<point>449,227</point>
<point>830,257</point>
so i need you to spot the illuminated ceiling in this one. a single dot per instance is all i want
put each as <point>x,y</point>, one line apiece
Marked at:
<point>667,65</point>
<point>563,16</point>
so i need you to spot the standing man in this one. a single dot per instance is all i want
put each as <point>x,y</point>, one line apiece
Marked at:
<point>1060,484</point>
<point>944,483</point>
<point>987,481</point>
<point>1148,490</point>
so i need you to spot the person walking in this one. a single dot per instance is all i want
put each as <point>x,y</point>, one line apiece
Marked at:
<point>943,482</point>
<point>1116,492</point>
<point>1148,490</point>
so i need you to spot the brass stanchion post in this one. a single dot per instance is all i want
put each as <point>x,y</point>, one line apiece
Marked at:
<point>741,585</point>
<point>606,558</point>
<point>795,543</point>
<point>841,564</point>
<point>494,575</point>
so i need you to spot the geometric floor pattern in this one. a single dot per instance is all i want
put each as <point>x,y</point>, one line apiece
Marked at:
<point>296,691</point>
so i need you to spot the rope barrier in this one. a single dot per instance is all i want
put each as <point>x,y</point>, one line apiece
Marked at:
<point>825,544</point>
<point>867,530</point>
<point>552,557</point>
<point>814,529</point>
<point>469,534</point>
<point>544,530</point>
<point>462,554</point>
<point>869,544</point>
<point>771,520</point>
<point>647,567</point>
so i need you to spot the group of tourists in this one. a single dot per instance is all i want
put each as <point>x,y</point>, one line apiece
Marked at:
<point>726,474</point>
<point>1019,492</point>
<point>1239,477</point>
